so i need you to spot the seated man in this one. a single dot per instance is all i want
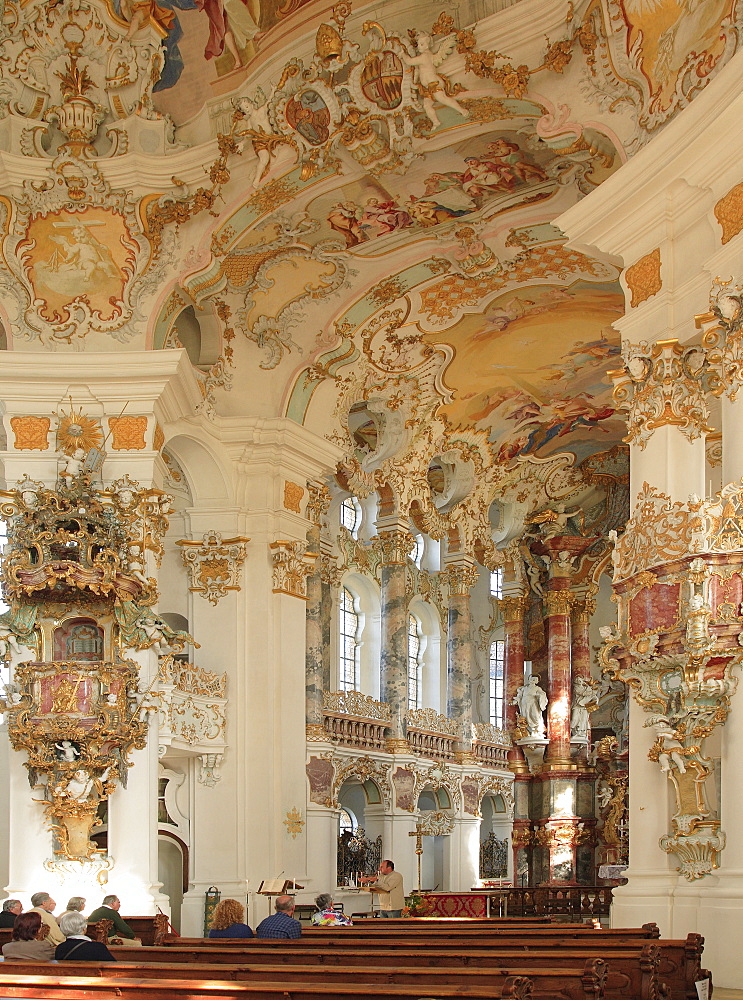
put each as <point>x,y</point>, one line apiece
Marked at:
<point>43,904</point>
<point>280,924</point>
<point>109,910</point>
<point>11,909</point>
<point>79,947</point>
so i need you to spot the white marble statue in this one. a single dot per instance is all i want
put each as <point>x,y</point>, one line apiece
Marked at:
<point>135,564</point>
<point>532,701</point>
<point>580,719</point>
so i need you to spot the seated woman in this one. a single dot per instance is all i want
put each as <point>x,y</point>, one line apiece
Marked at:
<point>28,942</point>
<point>227,921</point>
<point>78,947</point>
<point>76,903</point>
<point>326,916</point>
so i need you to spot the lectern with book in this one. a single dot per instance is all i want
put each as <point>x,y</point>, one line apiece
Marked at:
<point>278,887</point>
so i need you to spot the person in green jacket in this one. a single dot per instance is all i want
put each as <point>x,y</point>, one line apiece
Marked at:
<point>109,910</point>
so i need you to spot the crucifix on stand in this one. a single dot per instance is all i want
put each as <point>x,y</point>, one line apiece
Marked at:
<point>418,849</point>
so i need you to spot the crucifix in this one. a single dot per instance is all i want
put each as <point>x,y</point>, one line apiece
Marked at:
<point>418,849</point>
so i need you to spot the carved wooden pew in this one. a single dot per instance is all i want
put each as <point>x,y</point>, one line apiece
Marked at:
<point>586,979</point>
<point>680,960</point>
<point>99,988</point>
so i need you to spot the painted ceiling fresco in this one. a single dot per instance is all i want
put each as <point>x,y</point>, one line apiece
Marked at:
<point>334,204</point>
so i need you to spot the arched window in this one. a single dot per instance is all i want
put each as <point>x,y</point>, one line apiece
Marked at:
<point>349,643</point>
<point>346,822</point>
<point>350,515</point>
<point>414,663</point>
<point>497,653</point>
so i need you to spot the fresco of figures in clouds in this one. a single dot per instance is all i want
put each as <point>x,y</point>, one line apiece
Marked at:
<point>514,361</point>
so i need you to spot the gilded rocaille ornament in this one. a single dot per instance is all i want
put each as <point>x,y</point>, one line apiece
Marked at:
<point>74,577</point>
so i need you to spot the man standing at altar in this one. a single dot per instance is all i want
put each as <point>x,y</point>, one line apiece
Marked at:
<point>388,883</point>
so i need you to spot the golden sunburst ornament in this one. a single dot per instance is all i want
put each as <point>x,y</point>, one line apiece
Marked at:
<point>78,431</point>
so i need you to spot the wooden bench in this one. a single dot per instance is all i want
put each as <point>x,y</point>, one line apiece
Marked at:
<point>680,961</point>
<point>98,988</point>
<point>586,980</point>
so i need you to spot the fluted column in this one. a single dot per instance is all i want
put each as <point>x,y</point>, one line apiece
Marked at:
<point>395,542</point>
<point>460,655</point>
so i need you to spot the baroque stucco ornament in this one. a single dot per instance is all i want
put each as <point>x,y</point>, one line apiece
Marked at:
<point>214,564</point>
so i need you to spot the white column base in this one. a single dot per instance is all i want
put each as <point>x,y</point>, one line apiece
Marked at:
<point>712,907</point>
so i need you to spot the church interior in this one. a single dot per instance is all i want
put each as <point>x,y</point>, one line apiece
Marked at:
<point>411,525</point>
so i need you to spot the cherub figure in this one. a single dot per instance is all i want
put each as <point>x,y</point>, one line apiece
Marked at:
<point>668,746</point>
<point>259,131</point>
<point>430,83</point>
<point>135,564</point>
<point>72,464</point>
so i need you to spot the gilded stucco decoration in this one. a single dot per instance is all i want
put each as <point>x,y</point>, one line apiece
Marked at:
<point>683,677</point>
<point>435,823</point>
<point>362,769</point>
<point>722,337</point>
<point>128,433</point>
<point>644,278</point>
<point>662,384</point>
<point>214,564</point>
<point>74,577</point>
<point>294,822</point>
<point>31,433</point>
<point>293,494</point>
<point>291,562</point>
<point>192,703</point>
<point>729,213</point>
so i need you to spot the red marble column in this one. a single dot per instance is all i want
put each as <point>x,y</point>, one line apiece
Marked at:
<point>562,552</point>
<point>581,613</point>
<point>513,609</point>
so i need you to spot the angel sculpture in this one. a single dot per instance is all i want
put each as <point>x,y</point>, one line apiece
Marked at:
<point>259,131</point>
<point>430,83</point>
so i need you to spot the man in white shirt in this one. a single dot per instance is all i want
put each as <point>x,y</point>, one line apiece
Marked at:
<point>390,888</point>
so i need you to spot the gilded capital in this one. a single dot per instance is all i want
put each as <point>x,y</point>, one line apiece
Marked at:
<point>318,502</point>
<point>583,610</point>
<point>461,580</point>
<point>513,609</point>
<point>558,602</point>
<point>661,385</point>
<point>291,566</point>
<point>395,546</point>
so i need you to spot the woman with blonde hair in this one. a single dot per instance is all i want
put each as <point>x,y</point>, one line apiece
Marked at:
<point>228,921</point>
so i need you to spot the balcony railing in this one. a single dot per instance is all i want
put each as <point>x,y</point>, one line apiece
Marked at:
<point>432,735</point>
<point>357,720</point>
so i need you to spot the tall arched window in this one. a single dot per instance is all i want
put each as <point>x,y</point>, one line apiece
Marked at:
<point>414,663</point>
<point>497,652</point>
<point>349,643</point>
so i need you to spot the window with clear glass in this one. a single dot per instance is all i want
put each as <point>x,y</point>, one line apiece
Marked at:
<point>346,822</point>
<point>349,643</point>
<point>497,656</point>
<point>496,582</point>
<point>414,663</point>
<point>350,515</point>
<point>417,554</point>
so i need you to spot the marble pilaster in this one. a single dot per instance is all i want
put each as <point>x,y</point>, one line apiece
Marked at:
<point>460,656</point>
